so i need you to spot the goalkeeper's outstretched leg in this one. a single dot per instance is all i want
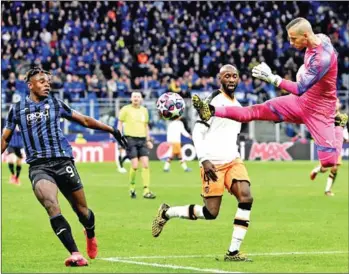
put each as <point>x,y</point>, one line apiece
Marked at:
<point>281,109</point>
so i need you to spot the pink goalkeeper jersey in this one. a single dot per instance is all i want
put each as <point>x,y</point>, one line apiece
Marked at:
<point>316,83</point>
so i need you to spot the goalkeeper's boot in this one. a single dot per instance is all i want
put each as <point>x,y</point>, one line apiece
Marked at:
<point>160,220</point>
<point>205,110</point>
<point>149,195</point>
<point>76,259</point>
<point>341,119</point>
<point>91,246</point>
<point>236,256</point>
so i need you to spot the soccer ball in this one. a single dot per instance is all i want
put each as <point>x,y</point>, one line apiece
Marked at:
<point>170,106</point>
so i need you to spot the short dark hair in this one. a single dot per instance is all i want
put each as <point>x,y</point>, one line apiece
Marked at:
<point>294,22</point>
<point>33,71</point>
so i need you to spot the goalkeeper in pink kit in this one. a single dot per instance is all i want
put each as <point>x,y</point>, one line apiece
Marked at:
<point>312,100</point>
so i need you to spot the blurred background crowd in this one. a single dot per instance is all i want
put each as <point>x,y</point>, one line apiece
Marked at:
<point>107,49</point>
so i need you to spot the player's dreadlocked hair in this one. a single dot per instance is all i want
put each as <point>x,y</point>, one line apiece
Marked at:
<point>33,71</point>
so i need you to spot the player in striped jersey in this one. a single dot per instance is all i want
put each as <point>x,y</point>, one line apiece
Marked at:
<point>50,159</point>
<point>15,156</point>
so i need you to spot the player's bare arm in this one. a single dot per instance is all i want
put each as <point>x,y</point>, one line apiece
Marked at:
<point>92,123</point>
<point>5,139</point>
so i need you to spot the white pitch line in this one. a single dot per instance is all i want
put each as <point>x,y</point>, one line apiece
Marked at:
<point>249,254</point>
<point>167,266</point>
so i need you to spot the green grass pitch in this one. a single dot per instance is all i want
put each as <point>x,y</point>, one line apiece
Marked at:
<point>294,227</point>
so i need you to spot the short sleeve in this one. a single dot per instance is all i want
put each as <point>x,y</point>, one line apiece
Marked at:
<point>146,115</point>
<point>65,110</point>
<point>122,114</point>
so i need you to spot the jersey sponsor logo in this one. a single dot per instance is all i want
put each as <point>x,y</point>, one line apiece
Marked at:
<point>37,117</point>
<point>270,151</point>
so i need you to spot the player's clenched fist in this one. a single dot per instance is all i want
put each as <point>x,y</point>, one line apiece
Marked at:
<point>120,138</point>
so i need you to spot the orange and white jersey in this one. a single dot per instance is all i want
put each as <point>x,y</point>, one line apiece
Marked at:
<point>174,131</point>
<point>216,139</point>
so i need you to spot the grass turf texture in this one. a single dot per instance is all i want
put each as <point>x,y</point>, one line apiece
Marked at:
<point>290,214</point>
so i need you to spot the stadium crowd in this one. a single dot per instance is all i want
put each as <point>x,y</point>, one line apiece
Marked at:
<point>106,49</point>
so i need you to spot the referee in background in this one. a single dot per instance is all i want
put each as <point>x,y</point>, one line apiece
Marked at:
<point>133,121</point>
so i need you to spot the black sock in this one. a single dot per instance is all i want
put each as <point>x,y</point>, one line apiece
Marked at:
<point>11,167</point>
<point>88,223</point>
<point>18,171</point>
<point>63,231</point>
<point>121,162</point>
<point>333,175</point>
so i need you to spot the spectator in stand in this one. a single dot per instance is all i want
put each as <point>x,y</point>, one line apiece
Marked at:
<point>112,88</point>
<point>10,88</point>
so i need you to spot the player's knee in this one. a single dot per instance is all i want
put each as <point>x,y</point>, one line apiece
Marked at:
<point>245,196</point>
<point>334,169</point>
<point>246,199</point>
<point>51,206</point>
<point>210,214</point>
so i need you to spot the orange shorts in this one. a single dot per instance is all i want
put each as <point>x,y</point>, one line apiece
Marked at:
<point>176,150</point>
<point>226,174</point>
